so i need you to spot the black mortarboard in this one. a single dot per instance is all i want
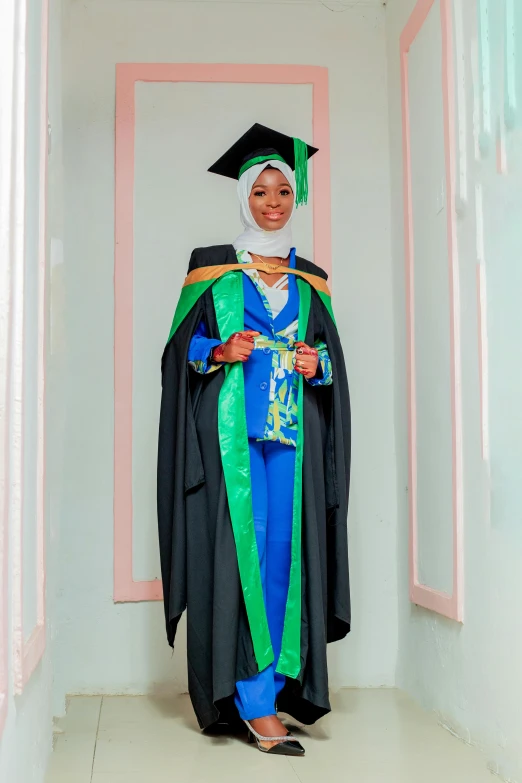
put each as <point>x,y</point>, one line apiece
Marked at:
<point>261,143</point>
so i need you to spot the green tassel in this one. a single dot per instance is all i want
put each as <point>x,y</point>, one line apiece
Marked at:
<point>301,172</point>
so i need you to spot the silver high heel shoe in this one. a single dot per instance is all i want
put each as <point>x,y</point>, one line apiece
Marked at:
<point>287,745</point>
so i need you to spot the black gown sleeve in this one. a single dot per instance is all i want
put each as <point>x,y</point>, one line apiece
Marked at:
<point>180,468</point>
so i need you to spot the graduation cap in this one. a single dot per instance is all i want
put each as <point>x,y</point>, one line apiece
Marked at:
<point>261,144</point>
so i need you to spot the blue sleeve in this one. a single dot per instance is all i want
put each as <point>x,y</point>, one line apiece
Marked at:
<point>199,351</point>
<point>323,376</point>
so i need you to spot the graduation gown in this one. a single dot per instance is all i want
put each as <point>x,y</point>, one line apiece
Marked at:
<point>199,557</point>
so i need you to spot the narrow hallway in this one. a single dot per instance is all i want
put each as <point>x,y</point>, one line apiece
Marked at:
<point>125,181</point>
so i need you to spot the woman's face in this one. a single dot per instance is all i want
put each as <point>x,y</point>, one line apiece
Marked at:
<point>271,200</point>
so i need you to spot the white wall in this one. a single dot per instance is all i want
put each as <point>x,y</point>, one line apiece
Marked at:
<point>471,674</point>
<point>26,741</point>
<point>102,647</point>
<point>55,413</point>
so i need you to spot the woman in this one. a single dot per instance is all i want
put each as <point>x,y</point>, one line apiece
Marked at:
<point>253,461</point>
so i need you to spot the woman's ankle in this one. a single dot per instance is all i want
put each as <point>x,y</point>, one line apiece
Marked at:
<point>269,725</point>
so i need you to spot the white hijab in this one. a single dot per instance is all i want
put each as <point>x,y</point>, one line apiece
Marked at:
<point>255,239</point>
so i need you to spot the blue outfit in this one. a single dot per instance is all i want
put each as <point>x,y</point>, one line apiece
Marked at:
<point>271,385</point>
<point>272,467</point>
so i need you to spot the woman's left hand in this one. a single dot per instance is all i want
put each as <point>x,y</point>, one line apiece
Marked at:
<point>306,360</point>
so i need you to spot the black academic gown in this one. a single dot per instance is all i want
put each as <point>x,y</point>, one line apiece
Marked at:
<point>198,556</point>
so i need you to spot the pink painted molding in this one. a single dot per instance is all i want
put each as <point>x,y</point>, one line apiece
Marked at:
<point>127,74</point>
<point>423,595</point>
<point>27,654</point>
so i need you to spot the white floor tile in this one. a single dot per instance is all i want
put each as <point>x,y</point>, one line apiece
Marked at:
<point>68,769</point>
<point>61,776</point>
<point>154,719</point>
<point>271,770</point>
<point>73,754</point>
<point>83,713</point>
<point>381,736</point>
<point>128,709</point>
<point>75,746</point>
<point>372,736</point>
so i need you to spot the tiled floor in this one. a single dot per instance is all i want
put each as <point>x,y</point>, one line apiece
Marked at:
<point>372,736</point>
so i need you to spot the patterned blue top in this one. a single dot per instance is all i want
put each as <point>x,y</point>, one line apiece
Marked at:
<point>279,381</point>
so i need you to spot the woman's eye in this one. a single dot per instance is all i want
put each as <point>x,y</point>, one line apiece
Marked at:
<point>284,192</point>
<point>259,193</point>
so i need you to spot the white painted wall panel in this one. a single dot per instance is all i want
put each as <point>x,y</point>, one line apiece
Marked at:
<point>431,310</point>
<point>470,674</point>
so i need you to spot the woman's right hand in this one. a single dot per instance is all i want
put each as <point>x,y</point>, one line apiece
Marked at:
<point>237,348</point>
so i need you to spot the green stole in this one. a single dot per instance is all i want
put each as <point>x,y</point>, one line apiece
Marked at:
<point>228,299</point>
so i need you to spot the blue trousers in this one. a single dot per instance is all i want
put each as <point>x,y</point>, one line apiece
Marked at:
<point>272,468</point>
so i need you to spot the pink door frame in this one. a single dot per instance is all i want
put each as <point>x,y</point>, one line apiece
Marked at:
<point>423,595</point>
<point>126,589</point>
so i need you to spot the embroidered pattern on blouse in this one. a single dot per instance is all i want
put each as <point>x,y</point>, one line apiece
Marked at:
<point>203,366</point>
<point>281,421</point>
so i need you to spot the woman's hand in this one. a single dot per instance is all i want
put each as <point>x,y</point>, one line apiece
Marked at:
<point>237,348</point>
<point>306,360</point>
